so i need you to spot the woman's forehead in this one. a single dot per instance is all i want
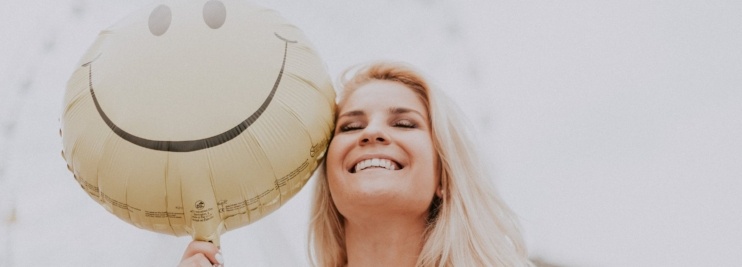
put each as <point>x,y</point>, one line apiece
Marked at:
<point>381,94</point>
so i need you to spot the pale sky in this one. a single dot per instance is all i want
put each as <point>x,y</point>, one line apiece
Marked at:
<point>613,127</point>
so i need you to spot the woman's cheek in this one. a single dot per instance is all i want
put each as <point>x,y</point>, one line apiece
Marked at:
<point>334,164</point>
<point>333,154</point>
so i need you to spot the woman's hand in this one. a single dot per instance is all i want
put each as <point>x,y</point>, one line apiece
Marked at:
<point>201,254</point>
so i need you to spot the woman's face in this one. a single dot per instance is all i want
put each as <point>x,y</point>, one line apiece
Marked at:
<point>381,159</point>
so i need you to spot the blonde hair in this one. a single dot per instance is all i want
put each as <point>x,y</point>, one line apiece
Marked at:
<point>469,225</point>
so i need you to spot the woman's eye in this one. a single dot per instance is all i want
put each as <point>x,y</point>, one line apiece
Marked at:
<point>405,124</point>
<point>351,127</point>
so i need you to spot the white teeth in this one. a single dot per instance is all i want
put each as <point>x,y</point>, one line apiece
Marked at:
<point>382,163</point>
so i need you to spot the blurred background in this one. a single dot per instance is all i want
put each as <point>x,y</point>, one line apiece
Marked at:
<point>613,128</point>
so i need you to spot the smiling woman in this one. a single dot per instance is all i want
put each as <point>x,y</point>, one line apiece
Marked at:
<point>402,185</point>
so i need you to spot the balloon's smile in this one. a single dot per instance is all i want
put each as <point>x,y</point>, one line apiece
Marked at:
<point>189,145</point>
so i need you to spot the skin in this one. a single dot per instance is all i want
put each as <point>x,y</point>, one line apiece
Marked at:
<point>201,254</point>
<point>385,210</point>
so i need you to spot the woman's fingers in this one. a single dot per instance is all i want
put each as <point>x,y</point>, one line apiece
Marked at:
<point>200,253</point>
<point>198,260</point>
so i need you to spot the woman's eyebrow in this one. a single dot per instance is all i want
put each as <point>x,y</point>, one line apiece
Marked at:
<point>401,110</point>
<point>352,113</point>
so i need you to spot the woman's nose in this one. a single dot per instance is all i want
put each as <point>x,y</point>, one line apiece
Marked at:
<point>373,135</point>
<point>378,139</point>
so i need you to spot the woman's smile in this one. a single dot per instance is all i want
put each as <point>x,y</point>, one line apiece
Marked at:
<point>375,163</point>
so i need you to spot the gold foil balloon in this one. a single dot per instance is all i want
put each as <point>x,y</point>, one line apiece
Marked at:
<point>197,117</point>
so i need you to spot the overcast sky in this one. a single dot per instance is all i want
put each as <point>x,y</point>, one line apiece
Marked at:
<point>613,128</point>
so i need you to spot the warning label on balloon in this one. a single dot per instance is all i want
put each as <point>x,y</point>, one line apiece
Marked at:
<point>118,204</point>
<point>163,214</point>
<point>90,188</point>
<point>232,207</point>
<point>316,148</point>
<point>291,175</point>
<point>202,215</point>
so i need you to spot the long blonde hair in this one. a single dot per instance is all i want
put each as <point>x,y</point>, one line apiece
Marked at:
<point>469,225</point>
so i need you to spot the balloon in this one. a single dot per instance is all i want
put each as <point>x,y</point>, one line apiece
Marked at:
<point>197,117</point>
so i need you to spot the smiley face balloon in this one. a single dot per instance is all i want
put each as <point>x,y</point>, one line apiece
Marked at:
<point>197,117</point>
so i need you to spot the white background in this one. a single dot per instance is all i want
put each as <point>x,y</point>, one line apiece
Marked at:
<point>614,128</point>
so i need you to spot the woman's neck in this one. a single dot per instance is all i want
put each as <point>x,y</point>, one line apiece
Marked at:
<point>385,242</point>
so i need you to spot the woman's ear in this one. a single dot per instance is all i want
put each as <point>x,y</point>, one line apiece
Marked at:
<point>440,191</point>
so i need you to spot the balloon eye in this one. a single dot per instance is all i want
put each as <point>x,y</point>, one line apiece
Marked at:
<point>159,20</point>
<point>215,14</point>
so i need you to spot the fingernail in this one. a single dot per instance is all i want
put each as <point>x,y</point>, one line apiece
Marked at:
<point>219,258</point>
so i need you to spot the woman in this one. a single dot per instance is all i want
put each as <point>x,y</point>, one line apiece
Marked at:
<point>401,185</point>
